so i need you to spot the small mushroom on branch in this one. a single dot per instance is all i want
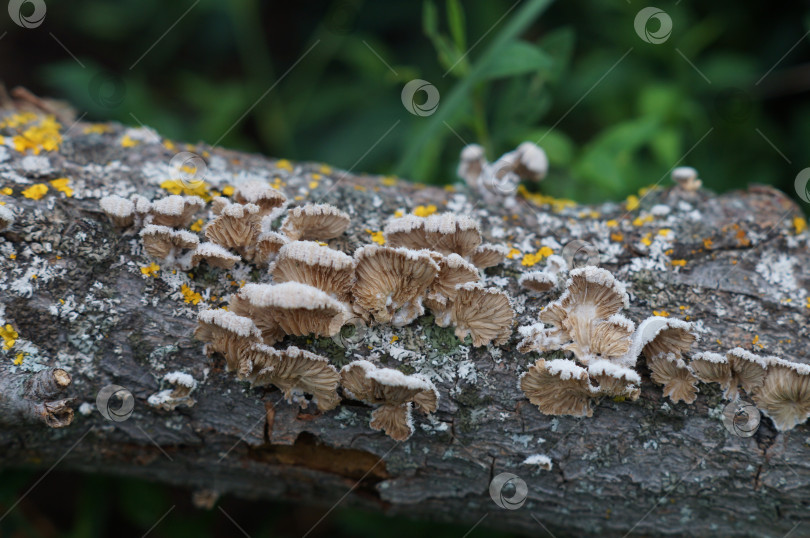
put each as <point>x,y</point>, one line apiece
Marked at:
<point>269,200</point>
<point>785,394</point>
<point>227,333</point>
<point>446,233</point>
<point>174,246</point>
<point>315,222</point>
<point>485,314</point>
<point>558,387</point>
<point>175,211</point>
<point>319,266</point>
<point>488,255</point>
<point>394,394</point>
<point>236,227</point>
<point>120,211</point>
<point>214,255</point>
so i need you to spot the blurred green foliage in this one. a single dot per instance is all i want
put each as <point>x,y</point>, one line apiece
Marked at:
<point>322,81</point>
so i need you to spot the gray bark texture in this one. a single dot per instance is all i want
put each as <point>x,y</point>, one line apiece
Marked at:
<point>74,289</point>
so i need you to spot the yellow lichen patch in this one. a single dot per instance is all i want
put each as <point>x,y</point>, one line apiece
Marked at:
<point>150,270</point>
<point>755,342</point>
<point>18,360</point>
<point>298,198</point>
<point>42,135</point>
<point>707,243</point>
<point>62,185</point>
<point>12,256</point>
<point>678,263</point>
<point>18,120</point>
<point>617,237</point>
<point>424,211</point>
<point>36,191</point>
<point>741,236</point>
<point>641,221</point>
<point>389,181</point>
<point>377,237</point>
<point>399,213</point>
<point>227,190</point>
<point>394,339</point>
<point>808,303</point>
<point>557,204</point>
<point>129,142</point>
<point>646,240</point>
<point>193,188</point>
<point>313,185</point>
<point>531,259</point>
<point>360,188</point>
<point>9,336</point>
<point>97,128</point>
<point>189,295</point>
<point>662,313</point>
<point>612,223</point>
<point>277,183</point>
<point>512,253</point>
<point>799,224</point>
<point>632,202</point>
<point>325,169</point>
<point>8,191</point>
<point>168,144</point>
<point>663,232</point>
<point>197,225</point>
<point>284,164</point>
<point>450,188</point>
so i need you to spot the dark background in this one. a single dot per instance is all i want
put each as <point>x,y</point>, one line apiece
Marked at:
<point>727,92</point>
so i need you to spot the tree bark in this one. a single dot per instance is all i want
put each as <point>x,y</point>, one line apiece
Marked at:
<point>72,286</point>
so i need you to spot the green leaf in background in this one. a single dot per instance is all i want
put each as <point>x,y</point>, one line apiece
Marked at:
<point>518,58</point>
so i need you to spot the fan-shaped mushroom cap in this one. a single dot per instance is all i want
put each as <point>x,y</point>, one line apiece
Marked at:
<point>142,204</point>
<point>539,281</point>
<point>488,255</point>
<point>687,178</point>
<point>670,370</point>
<point>747,371</point>
<point>446,233</point>
<point>662,336</point>
<point>556,264</point>
<point>227,333</point>
<point>453,270</point>
<point>298,309</point>
<point>218,203</point>
<point>175,211</point>
<point>237,226</point>
<point>393,391</point>
<point>263,318</point>
<point>711,368</point>
<point>611,337</point>
<point>391,282</point>
<point>261,194</point>
<point>593,293</point>
<point>320,266</point>
<point>120,210</point>
<point>471,164</point>
<point>315,222</point>
<point>539,338</point>
<point>785,395</point>
<point>486,314</point>
<point>265,247</point>
<point>295,372</point>
<point>558,387</point>
<point>528,161</point>
<point>163,242</point>
<point>441,307</point>
<point>214,255</point>
<point>614,380</point>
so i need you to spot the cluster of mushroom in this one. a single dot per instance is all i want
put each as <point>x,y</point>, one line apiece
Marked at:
<point>605,345</point>
<point>527,162</point>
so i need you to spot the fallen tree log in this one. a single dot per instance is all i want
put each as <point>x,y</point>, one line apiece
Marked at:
<point>88,315</point>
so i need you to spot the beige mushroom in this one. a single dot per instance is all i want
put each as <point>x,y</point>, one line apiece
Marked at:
<point>265,247</point>
<point>297,309</point>
<point>614,380</point>
<point>227,333</point>
<point>558,387</point>
<point>269,200</point>
<point>175,211</point>
<point>236,227</point>
<point>485,314</point>
<point>295,372</point>
<point>747,371</point>
<point>471,164</point>
<point>319,266</point>
<point>167,244</point>
<point>662,336</point>
<point>686,178</point>
<point>120,211</point>
<point>488,255</point>
<point>711,368</point>
<point>785,394</point>
<point>315,222</point>
<point>446,233</point>
<point>670,370</point>
<point>539,281</point>
<point>391,283</point>
<point>393,392</point>
<point>214,255</point>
